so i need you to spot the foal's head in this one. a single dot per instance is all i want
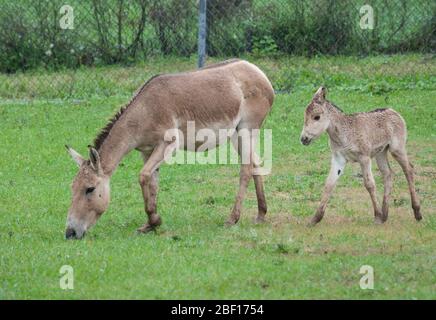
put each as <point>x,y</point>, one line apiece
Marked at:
<point>316,117</point>
<point>90,194</point>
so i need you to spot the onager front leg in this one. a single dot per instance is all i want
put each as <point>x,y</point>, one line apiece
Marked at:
<point>336,170</point>
<point>151,203</point>
<point>148,180</point>
<point>368,180</point>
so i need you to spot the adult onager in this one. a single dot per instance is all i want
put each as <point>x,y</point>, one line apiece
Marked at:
<point>358,138</point>
<point>234,94</point>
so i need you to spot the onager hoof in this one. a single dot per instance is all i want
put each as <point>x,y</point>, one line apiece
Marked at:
<point>154,222</point>
<point>146,228</point>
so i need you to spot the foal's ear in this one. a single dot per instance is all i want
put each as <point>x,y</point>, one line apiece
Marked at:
<point>75,155</point>
<point>320,94</point>
<point>95,159</point>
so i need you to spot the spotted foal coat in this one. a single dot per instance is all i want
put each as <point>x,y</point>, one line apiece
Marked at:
<point>358,138</point>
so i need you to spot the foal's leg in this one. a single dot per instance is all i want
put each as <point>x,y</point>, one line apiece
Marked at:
<point>336,170</point>
<point>368,179</point>
<point>400,155</point>
<point>383,165</point>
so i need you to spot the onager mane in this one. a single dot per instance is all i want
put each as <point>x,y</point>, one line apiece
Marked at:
<point>101,137</point>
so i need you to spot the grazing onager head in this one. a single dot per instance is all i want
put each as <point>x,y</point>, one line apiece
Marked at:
<point>90,194</point>
<point>317,117</point>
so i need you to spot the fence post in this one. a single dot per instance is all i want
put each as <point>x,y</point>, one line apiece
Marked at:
<point>202,33</point>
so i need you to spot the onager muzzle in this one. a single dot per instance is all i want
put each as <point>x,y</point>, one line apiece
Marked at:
<point>70,233</point>
<point>74,229</point>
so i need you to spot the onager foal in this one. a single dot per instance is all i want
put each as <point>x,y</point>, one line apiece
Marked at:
<point>358,138</point>
<point>233,95</point>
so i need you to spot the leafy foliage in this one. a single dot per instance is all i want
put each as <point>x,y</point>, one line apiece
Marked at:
<point>127,31</point>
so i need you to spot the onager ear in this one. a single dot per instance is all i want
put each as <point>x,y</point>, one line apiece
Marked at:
<point>75,155</point>
<point>95,160</point>
<point>320,94</point>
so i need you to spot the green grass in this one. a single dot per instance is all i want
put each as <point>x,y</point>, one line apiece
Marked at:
<point>193,255</point>
<point>373,74</point>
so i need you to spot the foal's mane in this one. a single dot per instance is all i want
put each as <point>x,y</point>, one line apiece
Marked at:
<point>335,106</point>
<point>101,137</point>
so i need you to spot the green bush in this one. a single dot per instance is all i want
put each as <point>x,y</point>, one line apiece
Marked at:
<point>265,46</point>
<point>126,31</point>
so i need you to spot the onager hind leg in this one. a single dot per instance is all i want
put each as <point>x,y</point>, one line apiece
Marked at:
<point>244,140</point>
<point>336,170</point>
<point>260,193</point>
<point>368,180</point>
<point>385,169</point>
<point>258,180</point>
<point>148,180</point>
<point>400,155</point>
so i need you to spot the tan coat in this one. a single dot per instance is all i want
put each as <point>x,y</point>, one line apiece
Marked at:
<point>234,94</point>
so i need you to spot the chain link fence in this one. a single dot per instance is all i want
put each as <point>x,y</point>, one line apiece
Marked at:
<point>47,48</point>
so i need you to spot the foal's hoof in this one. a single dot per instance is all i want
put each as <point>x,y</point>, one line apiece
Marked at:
<point>417,213</point>
<point>260,220</point>
<point>314,221</point>
<point>229,224</point>
<point>379,220</point>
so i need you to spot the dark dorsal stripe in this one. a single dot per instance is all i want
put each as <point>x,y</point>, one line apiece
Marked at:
<point>378,110</point>
<point>220,64</point>
<point>101,137</point>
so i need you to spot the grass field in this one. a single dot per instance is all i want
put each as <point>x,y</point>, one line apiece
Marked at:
<point>193,255</point>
